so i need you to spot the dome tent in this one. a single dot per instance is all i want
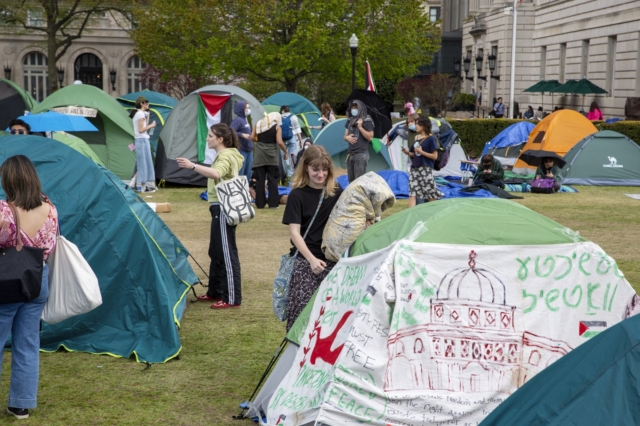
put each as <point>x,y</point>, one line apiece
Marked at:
<point>454,312</point>
<point>507,145</point>
<point>185,132</point>
<point>141,266</point>
<point>14,101</point>
<point>115,128</point>
<point>557,132</point>
<point>604,158</point>
<point>160,106</point>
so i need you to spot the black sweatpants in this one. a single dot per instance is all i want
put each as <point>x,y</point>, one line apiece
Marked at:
<point>224,271</point>
<point>271,174</point>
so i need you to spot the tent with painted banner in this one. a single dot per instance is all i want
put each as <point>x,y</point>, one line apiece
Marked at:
<point>115,128</point>
<point>185,132</point>
<point>332,139</point>
<point>507,145</point>
<point>557,132</point>
<point>14,101</point>
<point>605,158</point>
<point>142,268</point>
<point>160,106</point>
<point>443,311</point>
<point>307,113</point>
<point>579,388</point>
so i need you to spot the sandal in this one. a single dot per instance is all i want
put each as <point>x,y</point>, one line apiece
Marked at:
<point>206,298</point>
<point>223,305</point>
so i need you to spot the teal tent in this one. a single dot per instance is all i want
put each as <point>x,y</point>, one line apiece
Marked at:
<point>332,139</point>
<point>115,128</point>
<point>160,106</point>
<point>595,384</point>
<point>308,114</point>
<point>142,267</point>
<point>604,158</point>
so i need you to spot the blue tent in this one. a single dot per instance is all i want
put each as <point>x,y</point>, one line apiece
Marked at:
<point>142,267</point>
<point>331,138</point>
<point>595,384</point>
<point>306,111</point>
<point>507,143</point>
<point>160,106</point>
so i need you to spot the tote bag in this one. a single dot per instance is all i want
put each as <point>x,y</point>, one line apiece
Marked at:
<point>235,200</point>
<point>73,286</point>
<point>280,294</point>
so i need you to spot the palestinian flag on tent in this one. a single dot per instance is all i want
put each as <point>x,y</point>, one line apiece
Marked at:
<point>209,113</point>
<point>371,85</point>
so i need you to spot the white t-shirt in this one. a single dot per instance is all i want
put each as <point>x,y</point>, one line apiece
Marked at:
<point>140,115</point>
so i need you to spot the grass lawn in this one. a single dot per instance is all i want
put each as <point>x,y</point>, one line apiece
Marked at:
<point>224,353</point>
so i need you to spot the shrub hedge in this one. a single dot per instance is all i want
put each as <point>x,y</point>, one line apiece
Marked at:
<point>475,133</point>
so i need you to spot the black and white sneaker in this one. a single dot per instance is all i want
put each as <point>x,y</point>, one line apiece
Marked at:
<point>18,413</point>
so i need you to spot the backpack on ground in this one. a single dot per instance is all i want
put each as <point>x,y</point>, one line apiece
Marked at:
<point>287,131</point>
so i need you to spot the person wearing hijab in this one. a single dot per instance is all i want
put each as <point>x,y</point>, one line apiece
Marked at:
<point>243,130</point>
<point>266,162</point>
<point>358,133</point>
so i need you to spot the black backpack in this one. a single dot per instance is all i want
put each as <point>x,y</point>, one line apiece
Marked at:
<point>443,156</point>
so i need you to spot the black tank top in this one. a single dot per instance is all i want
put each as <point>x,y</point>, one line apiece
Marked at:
<point>269,136</point>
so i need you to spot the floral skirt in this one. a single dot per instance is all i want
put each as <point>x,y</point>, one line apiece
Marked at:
<point>302,286</point>
<point>422,184</point>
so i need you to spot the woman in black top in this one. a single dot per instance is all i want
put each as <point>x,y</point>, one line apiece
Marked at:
<point>311,177</point>
<point>266,164</point>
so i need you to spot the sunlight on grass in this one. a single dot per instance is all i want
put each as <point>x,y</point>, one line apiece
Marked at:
<point>224,353</point>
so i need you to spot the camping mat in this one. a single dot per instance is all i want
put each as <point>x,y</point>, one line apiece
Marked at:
<point>508,174</point>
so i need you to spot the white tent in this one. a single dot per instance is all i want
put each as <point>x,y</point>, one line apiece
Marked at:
<point>399,161</point>
<point>456,155</point>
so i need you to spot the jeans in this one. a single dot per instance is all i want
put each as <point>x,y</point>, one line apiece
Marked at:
<point>357,165</point>
<point>245,170</point>
<point>22,320</point>
<point>144,163</point>
<point>292,148</point>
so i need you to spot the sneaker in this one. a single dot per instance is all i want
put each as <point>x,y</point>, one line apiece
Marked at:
<point>18,413</point>
<point>207,298</point>
<point>223,305</point>
<point>138,189</point>
<point>148,189</point>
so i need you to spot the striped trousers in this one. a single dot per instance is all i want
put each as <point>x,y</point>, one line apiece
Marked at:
<point>224,271</point>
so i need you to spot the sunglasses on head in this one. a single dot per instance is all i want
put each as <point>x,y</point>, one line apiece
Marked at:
<point>18,132</point>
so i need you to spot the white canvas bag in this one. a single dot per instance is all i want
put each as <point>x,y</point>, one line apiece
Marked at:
<point>73,286</point>
<point>235,200</point>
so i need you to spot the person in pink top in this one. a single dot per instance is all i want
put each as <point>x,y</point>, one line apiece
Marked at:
<point>594,112</point>
<point>38,228</point>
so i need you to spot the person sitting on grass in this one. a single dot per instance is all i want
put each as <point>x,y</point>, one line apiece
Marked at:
<point>490,171</point>
<point>548,169</point>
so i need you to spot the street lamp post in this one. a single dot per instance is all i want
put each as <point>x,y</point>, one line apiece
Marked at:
<point>492,66</point>
<point>467,66</point>
<point>112,74</point>
<point>353,44</point>
<point>479,60</point>
<point>60,77</point>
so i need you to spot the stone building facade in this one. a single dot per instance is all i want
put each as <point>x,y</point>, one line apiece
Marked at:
<point>104,48</point>
<point>556,40</point>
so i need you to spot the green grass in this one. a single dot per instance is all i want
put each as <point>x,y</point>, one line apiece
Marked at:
<point>224,353</point>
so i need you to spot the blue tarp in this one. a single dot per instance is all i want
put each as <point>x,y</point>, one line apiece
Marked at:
<point>397,180</point>
<point>142,268</point>
<point>513,135</point>
<point>452,190</point>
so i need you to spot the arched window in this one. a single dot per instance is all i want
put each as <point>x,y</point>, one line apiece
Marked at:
<point>88,69</point>
<point>34,68</point>
<point>418,346</point>
<point>134,69</point>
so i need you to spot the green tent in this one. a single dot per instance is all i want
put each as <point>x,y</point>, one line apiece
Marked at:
<point>407,329</point>
<point>331,137</point>
<point>605,158</point>
<point>595,384</point>
<point>142,268</point>
<point>78,144</point>
<point>115,128</point>
<point>14,101</point>
<point>308,114</point>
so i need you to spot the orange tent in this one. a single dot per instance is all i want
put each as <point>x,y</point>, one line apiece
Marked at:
<point>558,132</point>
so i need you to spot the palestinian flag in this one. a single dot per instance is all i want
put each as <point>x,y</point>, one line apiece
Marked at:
<point>588,329</point>
<point>371,85</point>
<point>209,113</point>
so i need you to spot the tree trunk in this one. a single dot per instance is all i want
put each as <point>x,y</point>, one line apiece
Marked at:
<point>52,69</point>
<point>290,85</point>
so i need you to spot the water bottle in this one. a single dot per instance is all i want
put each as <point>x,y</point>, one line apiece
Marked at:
<point>150,131</point>
<point>416,145</point>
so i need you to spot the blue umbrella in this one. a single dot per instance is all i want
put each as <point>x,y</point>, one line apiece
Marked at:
<point>54,122</point>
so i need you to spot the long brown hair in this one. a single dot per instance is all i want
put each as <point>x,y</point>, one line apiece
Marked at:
<point>21,182</point>
<point>315,156</point>
<point>325,108</point>
<point>228,135</point>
